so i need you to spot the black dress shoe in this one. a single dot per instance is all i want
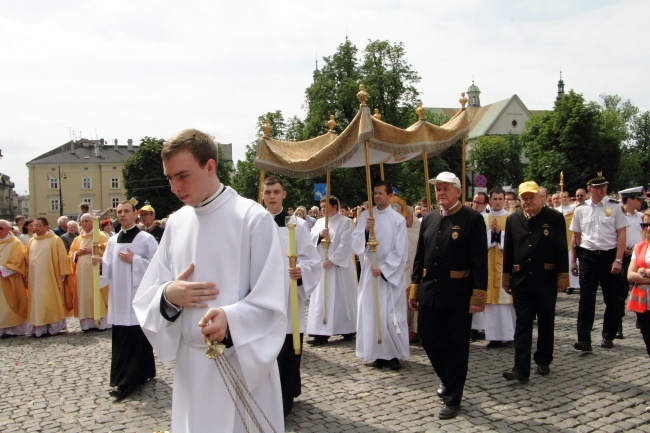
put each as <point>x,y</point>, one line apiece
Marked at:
<point>121,392</point>
<point>317,341</point>
<point>569,291</point>
<point>515,375</point>
<point>619,334</point>
<point>442,389</point>
<point>606,343</point>
<point>394,364</point>
<point>449,411</point>
<point>379,363</point>
<point>493,344</point>
<point>582,345</point>
<point>349,337</point>
<point>542,369</point>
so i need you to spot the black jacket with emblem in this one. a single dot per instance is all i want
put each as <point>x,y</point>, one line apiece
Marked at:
<point>535,250</point>
<point>450,266</point>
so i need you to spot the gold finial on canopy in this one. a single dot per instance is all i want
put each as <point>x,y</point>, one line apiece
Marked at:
<point>377,114</point>
<point>266,128</point>
<point>362,95</point>
<point>331,124</point>
<point>462,100</point>
<point>420,111</point>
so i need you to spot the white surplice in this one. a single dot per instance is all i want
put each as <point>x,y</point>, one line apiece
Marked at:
<point>233,242</point>
<point>124,278</point>
<point>392,254</point>
<point>309,263</point>
<point>342,284</point>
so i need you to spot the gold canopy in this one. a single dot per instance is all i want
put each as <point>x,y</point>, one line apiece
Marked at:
<point>387,144</point>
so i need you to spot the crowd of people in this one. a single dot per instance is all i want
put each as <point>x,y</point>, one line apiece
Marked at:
<point>219,273</point>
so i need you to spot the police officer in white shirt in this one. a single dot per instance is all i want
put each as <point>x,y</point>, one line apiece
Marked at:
<point>598,228</point>
<point>632,199</point>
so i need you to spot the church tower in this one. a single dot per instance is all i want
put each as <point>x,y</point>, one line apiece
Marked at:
<point>316,72</point>
<point>473,98</point>
<point>560,87</point>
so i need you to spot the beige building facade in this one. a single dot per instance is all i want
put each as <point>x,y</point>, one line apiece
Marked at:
<point>78,171</point>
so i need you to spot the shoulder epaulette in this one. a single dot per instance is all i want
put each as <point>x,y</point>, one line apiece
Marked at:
<point>611,200</point>
<point>580,204</point>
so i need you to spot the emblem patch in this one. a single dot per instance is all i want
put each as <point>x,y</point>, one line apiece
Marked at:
<point>608,212</point>
<point>454,235</point>
<point>545,232</point>
<point>515,268</point>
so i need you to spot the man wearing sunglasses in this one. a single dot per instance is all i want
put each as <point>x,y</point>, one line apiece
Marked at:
<point>598,240</point>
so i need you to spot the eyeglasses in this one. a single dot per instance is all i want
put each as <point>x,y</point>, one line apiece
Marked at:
<point>146,213</point>
<point>580,195</point>
<point>644,225</point>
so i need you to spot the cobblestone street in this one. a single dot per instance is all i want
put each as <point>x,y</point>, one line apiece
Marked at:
<point>60,384</point>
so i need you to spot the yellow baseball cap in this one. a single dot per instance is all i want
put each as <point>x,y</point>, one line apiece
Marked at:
<point>530,186</point>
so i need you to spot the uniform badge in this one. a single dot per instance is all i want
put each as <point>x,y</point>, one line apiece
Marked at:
<point>546,232</point>
<point>515,268</point>
<point>608,212</point>
<point>454,235</point>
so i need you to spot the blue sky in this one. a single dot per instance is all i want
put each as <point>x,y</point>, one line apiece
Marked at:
<point>129,69</point>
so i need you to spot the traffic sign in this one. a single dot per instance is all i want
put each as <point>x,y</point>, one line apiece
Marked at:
<point>320,190</point>
<point>480,180</point>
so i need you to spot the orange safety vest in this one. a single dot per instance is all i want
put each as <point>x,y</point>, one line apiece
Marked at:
<point>638,296</point>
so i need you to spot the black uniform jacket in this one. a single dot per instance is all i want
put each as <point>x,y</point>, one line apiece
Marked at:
<point>450,266</point>
<point>157,231</point>
<point>535,251</point>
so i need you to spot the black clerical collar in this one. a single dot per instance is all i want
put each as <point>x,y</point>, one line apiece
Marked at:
<point>280,218</point>
<point>127,236</point>
<point>213,197</point>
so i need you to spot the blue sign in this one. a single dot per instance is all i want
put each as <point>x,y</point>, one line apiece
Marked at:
<point>395,191</point>
<point>320,190</point>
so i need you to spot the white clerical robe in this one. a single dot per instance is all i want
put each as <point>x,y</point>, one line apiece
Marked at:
<point>342,283</point>
<point>124,278</point>
<point>392,253</point>
<point>309,263</point>
<point>234,243</point>
<point>500,315</point>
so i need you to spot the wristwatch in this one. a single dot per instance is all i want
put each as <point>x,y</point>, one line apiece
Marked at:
<point>619,261</point>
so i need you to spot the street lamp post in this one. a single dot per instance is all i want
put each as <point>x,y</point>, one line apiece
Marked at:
<point>59,177</point>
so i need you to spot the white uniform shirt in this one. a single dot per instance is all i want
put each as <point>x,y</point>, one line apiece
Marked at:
<point>598,223</point>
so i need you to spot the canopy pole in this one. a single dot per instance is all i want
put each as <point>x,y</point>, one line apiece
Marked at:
<point>325,242</point>
<point>372,243</point>
<point>381,171</point>
<point>425,161</point>
<point>266,128</point>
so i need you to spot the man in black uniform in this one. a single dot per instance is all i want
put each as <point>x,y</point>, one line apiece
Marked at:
<point>535,269</point>
<point>449,283</point>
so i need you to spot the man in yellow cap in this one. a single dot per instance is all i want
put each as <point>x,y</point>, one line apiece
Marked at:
<point>535,269</point>
<point>148,218</point>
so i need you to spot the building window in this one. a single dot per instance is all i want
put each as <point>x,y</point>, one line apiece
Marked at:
<point>86,183</point>
<point>54,183</point>
<point>115,183</point>
<point>114,202</point>
<point>54,205</point>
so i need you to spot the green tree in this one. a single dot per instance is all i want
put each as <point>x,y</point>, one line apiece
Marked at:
<point>574,139</point>
<point>635,161</point>
<point>144,179</point>
<point>498,157</point>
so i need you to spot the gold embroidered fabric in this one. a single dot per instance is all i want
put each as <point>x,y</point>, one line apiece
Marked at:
<point>387,144</point>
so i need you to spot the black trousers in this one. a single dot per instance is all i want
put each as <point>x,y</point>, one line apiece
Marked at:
<point>644,327</point>
<point>132,360</point>
<point>595,267</point>
<point>530,303</point>
<point>444,334</point>
<point>289,367</point>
